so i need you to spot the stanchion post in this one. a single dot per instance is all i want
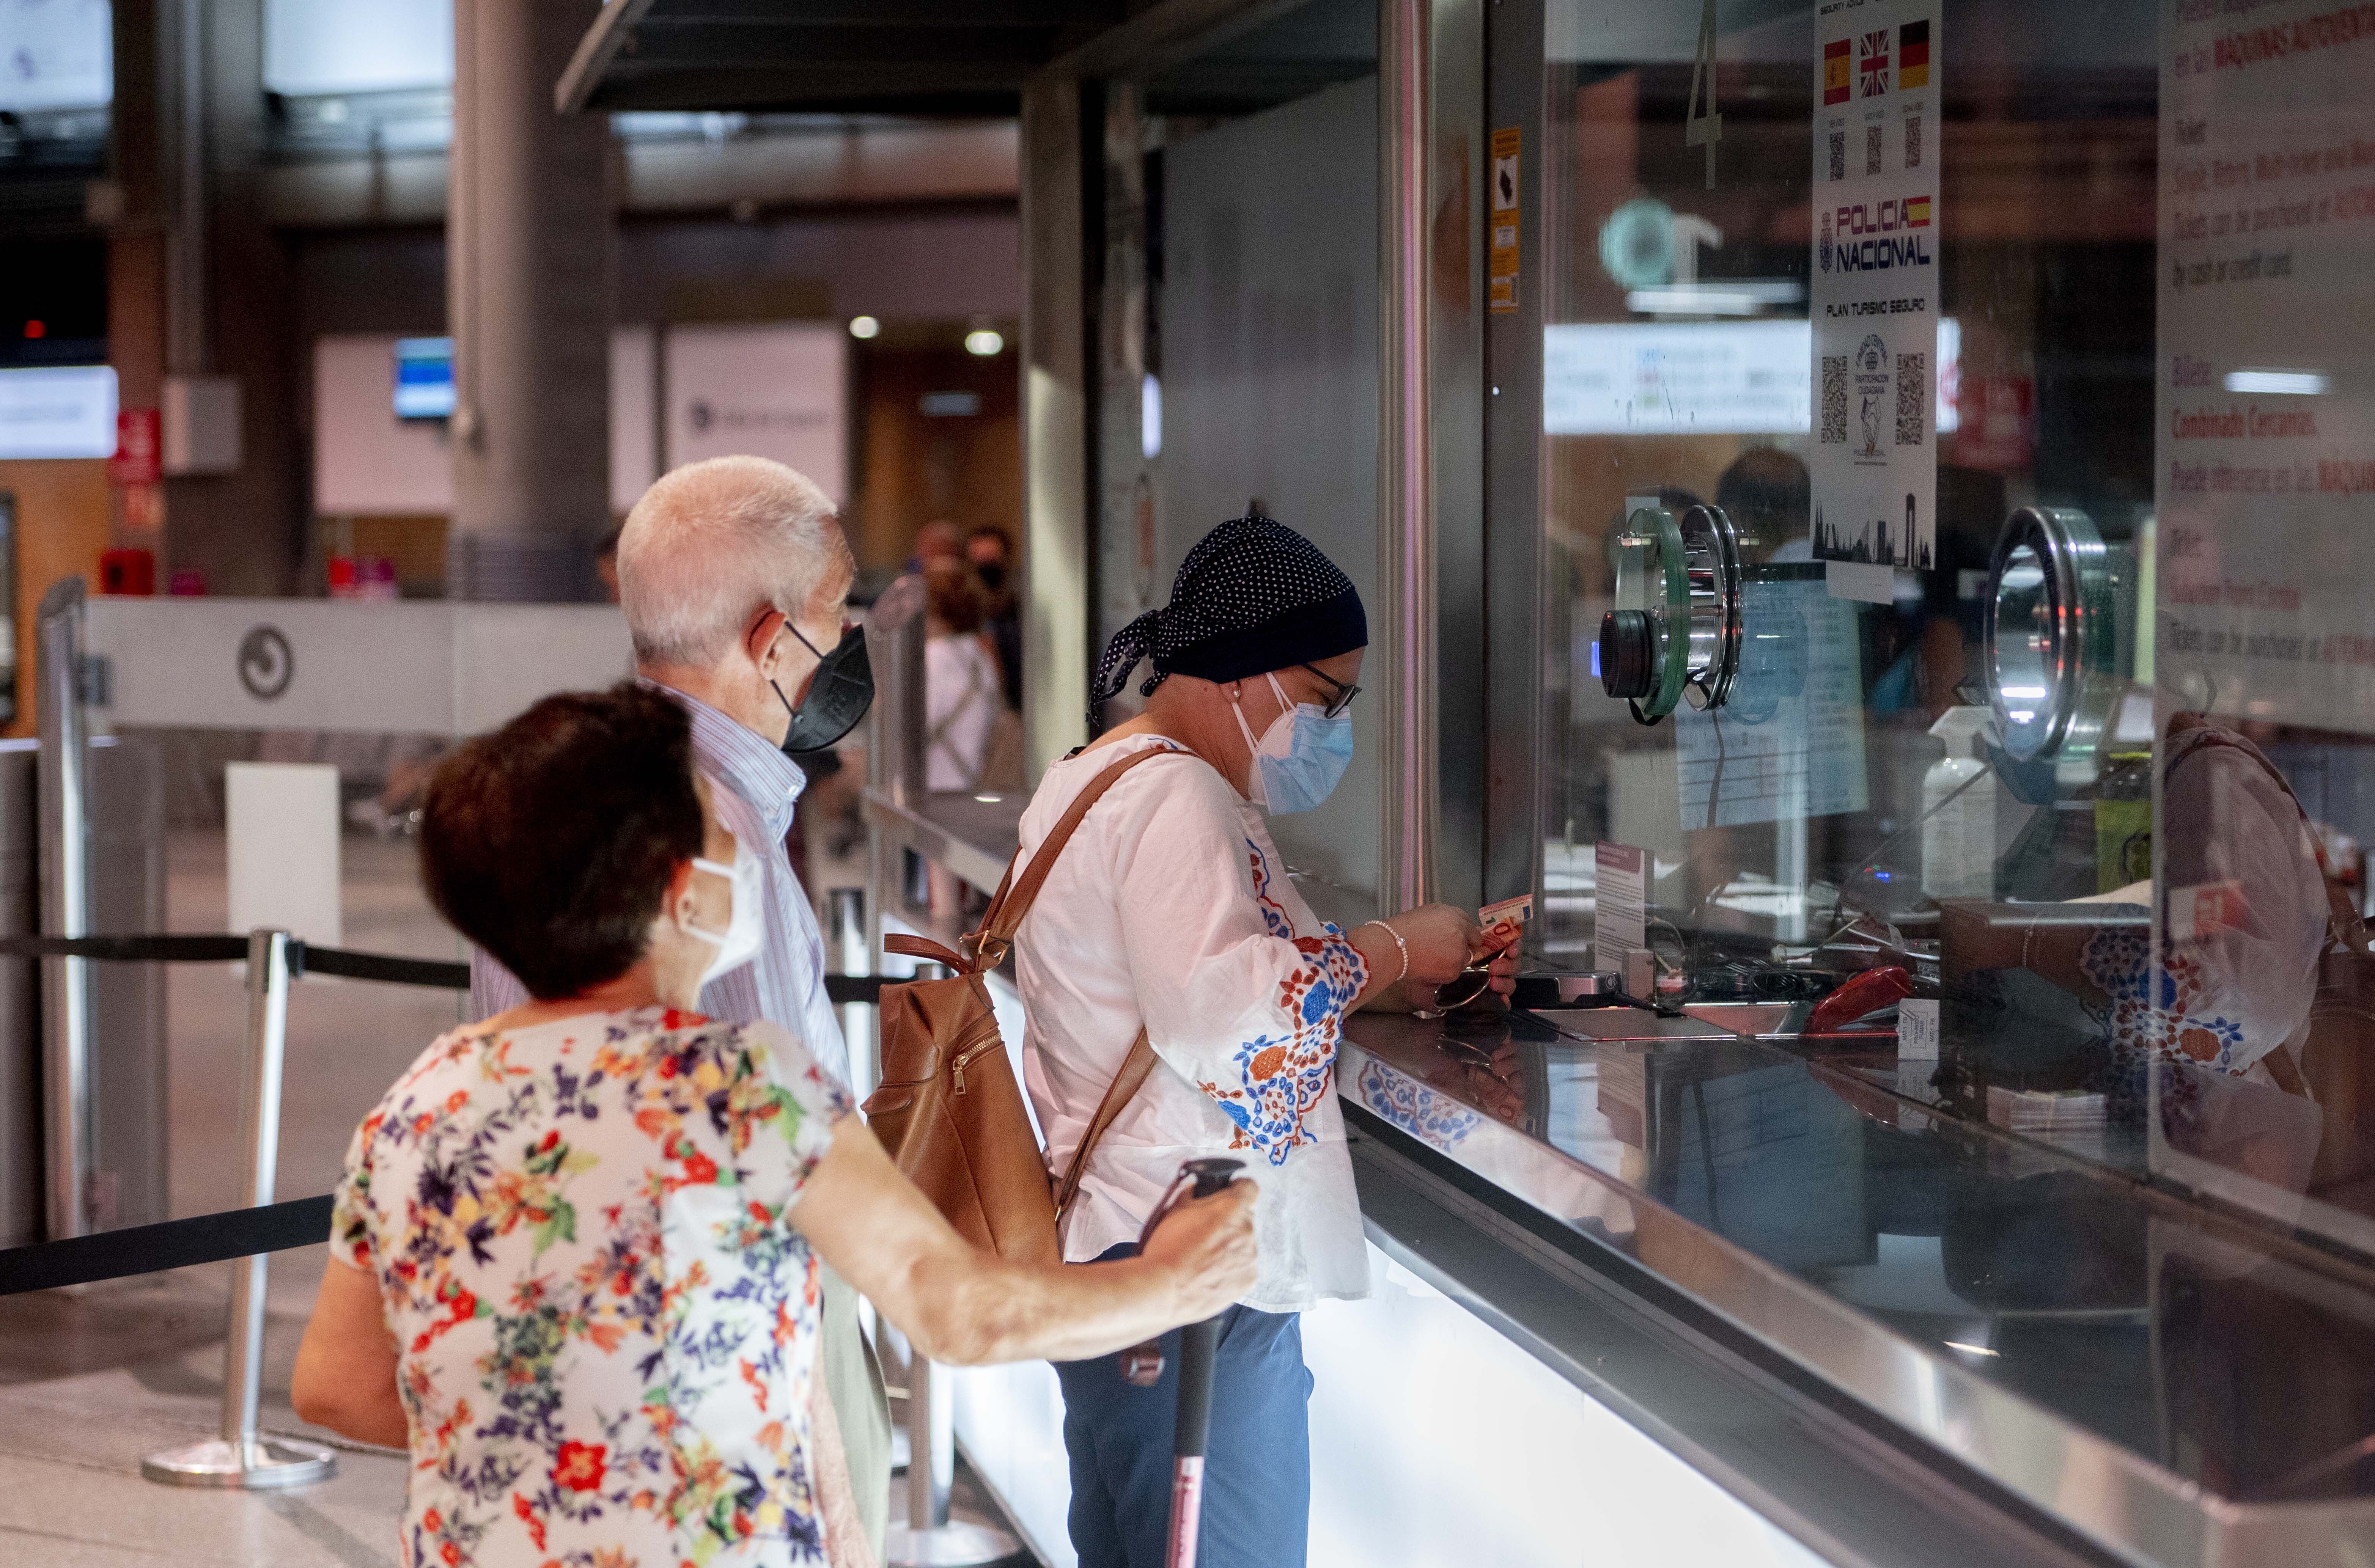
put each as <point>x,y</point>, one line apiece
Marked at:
<point>932,1446</point>
<point>240,1456</point>
<point>62,797</point>
<point>848,952</point>
<point>932,1537</point>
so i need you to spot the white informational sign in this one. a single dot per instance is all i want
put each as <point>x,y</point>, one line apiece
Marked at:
<point>1675,378</point>
<point>1917,1029</point>
<point>1874,460</point>
<point>280,825</point>
<point>55,55</point>
<point>58,411</point>
<point>778,391</point>
<point>2265,484</point>
<point>1788,742</point>
<point>1619,902</point>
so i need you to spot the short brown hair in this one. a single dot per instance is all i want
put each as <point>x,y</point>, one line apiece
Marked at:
<point>550,842</point>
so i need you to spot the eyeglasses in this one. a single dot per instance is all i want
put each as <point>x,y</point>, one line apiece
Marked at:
<point>1461,990</point>
<point>1342,695</point>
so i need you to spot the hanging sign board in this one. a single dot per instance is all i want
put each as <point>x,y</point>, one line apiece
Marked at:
<point>2265,481</point>
<point>1874,298</point>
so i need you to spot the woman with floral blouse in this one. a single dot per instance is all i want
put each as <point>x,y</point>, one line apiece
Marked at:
<point>574,1250</point>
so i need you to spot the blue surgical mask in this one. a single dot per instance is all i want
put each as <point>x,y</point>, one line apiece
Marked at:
<point>1299,758</point>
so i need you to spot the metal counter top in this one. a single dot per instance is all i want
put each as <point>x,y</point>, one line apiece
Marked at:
<point>2177,1385</point>
<point>2181,1387</point>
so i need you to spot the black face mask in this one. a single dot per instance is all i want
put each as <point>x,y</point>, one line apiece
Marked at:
<point>838,696</point>
<point>992,576</point>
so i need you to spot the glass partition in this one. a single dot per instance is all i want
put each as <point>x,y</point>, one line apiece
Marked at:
<point>2265,1007</point>
<point>1848,432</point>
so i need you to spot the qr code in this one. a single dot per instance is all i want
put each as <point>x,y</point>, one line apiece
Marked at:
<point>1872,150</point>
<point>1912,397</point>
<point>1835,399</point>
<point>1913,141</point>
<point>1838,155</point>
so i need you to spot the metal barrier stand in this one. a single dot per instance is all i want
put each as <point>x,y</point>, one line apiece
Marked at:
<point>62,801</point>
<point>242,1456</point>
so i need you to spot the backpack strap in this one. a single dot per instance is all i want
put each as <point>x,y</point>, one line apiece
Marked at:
<point>988,946</point>
<point>1125,1086</point>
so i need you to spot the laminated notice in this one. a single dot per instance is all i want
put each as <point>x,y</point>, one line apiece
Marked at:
<point>2266,451</point>
<point>1873,284</point>
<point>1789,743</point>
<point>1619,902</point>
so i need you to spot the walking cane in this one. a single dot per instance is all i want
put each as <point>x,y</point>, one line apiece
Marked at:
<point>1194,1420</point>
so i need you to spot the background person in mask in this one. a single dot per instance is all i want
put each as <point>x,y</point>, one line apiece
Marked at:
<point>1171,911</point>
<point>735,580</point>
<point>991,555</point>
<point>575,1249</point>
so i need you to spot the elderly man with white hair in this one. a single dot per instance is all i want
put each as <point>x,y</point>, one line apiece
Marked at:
<point>735,579</point>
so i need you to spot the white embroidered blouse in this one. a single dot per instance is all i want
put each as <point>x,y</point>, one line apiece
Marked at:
<point>1171,907</point>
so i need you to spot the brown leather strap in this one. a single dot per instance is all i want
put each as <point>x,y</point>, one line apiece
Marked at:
<point>1118,1094</point>
<point>1017,893</point>
<point>922,948</point>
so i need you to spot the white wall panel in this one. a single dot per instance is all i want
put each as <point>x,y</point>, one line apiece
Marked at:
<point>771,391</point>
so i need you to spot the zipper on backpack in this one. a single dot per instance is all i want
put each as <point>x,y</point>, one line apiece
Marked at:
<point>958,1065</point>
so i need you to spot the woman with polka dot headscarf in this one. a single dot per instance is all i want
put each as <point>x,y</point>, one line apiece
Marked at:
<point>1168,940</point>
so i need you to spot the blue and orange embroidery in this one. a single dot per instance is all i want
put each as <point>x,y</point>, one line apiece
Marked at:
<point>1436,1120</point>
<point>2157,1010</point>
<point>1280,1080</point>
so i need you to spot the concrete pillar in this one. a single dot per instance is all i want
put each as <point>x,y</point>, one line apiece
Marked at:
<point>1057,556</point>
<point>530,259</point>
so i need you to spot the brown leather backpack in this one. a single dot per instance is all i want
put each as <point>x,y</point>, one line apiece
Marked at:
<point>948,1109</point>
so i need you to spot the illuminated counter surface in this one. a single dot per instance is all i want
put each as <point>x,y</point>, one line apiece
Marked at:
<point>1710,1302</point>
<point>1896,1313</point>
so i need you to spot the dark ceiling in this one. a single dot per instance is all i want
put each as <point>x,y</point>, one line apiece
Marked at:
<point>851,56</point>
<point>947,57</point>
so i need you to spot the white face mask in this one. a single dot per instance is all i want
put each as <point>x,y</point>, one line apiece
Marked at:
<point>739,943</point>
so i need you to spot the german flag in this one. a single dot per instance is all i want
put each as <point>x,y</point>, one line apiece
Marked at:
<point>1836,69</point>
<point>1916,212</point>
<point>1913,55</point>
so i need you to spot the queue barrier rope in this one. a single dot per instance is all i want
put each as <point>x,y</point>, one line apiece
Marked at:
<point>347,963</point>
<point>243,1456</point>
<point>236,1232</point>
<point>173,1244</point>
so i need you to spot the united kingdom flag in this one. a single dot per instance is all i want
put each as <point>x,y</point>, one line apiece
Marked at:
<point>1871,62</point>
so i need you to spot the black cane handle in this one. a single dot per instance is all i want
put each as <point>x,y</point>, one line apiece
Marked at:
<point>1141,1365</point>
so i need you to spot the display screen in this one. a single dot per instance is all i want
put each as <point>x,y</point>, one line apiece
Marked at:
<point>424,378</point>
<point>58,411</point>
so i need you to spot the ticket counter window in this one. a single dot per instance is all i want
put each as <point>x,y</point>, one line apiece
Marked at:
<point>1953,414</point>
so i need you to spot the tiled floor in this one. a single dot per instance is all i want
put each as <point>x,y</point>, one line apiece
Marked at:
<point>92,1380</point>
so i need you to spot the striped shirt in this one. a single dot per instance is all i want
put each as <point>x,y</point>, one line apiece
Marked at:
<point>754,786</point>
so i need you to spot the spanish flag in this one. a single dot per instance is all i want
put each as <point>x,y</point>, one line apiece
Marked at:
<point>1916,212</point>
<point>1836,69</point>
<point>1913,55</point>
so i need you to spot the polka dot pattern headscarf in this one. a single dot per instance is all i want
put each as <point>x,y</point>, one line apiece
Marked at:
<point>1253,596</point>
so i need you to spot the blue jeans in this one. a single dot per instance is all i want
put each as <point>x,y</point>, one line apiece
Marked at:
<point>1257,1462</point>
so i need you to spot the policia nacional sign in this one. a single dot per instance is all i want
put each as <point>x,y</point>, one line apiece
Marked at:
<point>1875,296</point>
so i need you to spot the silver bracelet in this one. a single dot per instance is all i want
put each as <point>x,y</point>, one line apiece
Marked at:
<point>1399,943</point>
